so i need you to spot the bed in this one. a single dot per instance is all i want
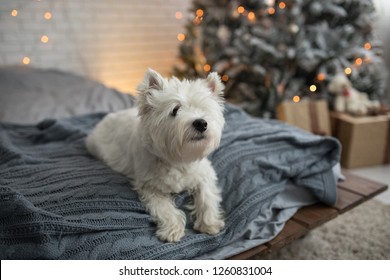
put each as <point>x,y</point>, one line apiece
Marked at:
<point>58,202</point>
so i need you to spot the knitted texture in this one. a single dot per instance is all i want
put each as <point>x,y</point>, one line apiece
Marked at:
<point>58,202</point>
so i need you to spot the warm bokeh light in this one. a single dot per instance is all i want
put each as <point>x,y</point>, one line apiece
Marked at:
<point>178,15</point>
<point>271,11</point>
<point>313,88</point>
<point>14,13</point>
<point>181,37</point>
<point>251,16</point>
<point>282,5</point>
<point>199,12</point>
<point>348,70</point>
<point>44,39</point>
<point>207,67</point>
<point>367,46</point>
<point>358,61</point>
<point>225,78</point>
<point>26,60</point>
<point>321,76</point>
<point>240,9</point>
<point>296,99</point>
<point>47,15</point>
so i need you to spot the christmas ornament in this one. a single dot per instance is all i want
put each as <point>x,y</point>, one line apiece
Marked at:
<point>294,28</point>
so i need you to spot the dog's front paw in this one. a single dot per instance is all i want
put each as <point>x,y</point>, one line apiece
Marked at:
<point>172,231</point>
<point>170,234</point>
<point>212,228</point>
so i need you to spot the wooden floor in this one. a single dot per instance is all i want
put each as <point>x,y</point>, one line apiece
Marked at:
<point>351,192</point>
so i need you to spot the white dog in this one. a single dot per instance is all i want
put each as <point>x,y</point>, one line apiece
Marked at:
<point>162,146</point>
<point>350,100</point>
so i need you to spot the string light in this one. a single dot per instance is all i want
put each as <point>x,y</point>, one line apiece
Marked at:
<point>271,11</point>
<point>48,16</point>
<point>178,15</point>
<point>199,12</point>
<point>282,5</point>
<point>251,16</point>
<point>26,60</point>
<point>207,67</point>
<point>348,70</point>
<point>358,61</point>
<point>181,37</point>
<point>225,78</point>
<point>296,99</point>
<point>313,88</point>
<point>240,9</point>
<point>321,76</point>
<point>44,39</point>
<point>367,46</point>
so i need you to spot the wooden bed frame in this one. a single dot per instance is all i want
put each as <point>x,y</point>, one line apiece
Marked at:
<point>351,192</point>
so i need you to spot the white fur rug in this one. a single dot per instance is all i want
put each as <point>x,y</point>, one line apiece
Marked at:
<point>362,233</point>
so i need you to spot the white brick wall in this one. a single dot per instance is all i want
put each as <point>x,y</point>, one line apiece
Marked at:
<point>112,41</point>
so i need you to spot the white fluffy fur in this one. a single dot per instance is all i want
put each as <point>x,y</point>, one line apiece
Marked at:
<point>165,154</point>
<point>350,100</point>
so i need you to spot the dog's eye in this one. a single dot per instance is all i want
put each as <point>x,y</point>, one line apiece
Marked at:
<point>174,111</point>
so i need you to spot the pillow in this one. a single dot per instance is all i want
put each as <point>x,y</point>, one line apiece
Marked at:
<point>29,95</point>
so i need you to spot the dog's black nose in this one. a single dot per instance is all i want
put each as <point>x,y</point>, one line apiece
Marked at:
<point>200,125</point>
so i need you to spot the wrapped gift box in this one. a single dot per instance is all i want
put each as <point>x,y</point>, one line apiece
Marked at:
<point>310,115</point>
<point>364,140</point>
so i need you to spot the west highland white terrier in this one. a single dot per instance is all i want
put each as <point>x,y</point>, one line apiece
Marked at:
<point>162,147</point>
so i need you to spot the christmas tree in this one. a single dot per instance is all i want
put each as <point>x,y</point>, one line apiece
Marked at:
<point>267,50</point>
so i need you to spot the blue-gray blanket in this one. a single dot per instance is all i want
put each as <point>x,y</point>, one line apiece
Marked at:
<point>58,202</point>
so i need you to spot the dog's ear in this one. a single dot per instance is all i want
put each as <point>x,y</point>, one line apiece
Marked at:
<point>152,82</point>
<point>215,84</point>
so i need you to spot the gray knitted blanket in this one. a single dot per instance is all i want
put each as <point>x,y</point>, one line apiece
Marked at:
<point>58,202</point>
